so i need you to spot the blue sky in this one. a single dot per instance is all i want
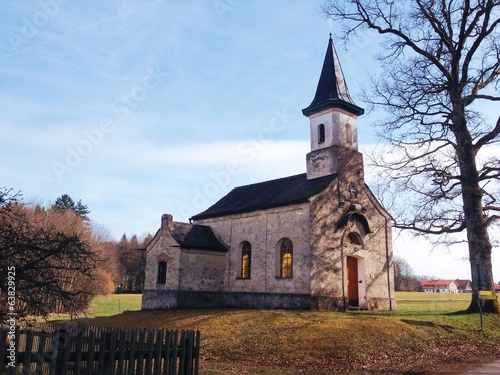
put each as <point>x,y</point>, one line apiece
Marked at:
<point>145,108</point>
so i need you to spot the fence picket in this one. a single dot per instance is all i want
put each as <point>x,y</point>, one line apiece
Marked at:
<point>197,353</point>
<point>166,353</point>
<point>64,351</point>
<point>27,351</point>
<point>189,352</point>
<point>149,350</point>
<point>111,350</point>
<point>79,348</point>
<point>41,351</point>
<point>131,362</point>
<point>175,347</point>
<point>158,353</point>
<point>122,344</point>
<point>90,355</point>
<point>101,345</point>
<point>3,344</point>
<point>140,358</point>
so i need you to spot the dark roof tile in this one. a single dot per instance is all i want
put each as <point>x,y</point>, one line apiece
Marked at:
<point>196,237</point>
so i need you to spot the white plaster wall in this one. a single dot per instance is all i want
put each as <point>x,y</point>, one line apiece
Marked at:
<point>335,121</point>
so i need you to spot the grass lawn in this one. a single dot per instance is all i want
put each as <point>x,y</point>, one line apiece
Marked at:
<point>115,304</point>
<point>425,334</point>
<point>106,306</point>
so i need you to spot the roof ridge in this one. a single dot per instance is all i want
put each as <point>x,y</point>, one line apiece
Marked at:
<point>270,181</point>
<point>283,191</point>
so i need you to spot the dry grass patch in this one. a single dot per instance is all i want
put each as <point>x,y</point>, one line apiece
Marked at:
<point>279,341</point>
<point>423,336</point>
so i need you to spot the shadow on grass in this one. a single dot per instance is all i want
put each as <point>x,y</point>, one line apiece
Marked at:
<point>462,312</point>
<point>427,323</point>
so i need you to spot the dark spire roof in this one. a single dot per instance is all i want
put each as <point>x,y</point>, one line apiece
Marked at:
<point>275,193</point>
<point>332,90</point>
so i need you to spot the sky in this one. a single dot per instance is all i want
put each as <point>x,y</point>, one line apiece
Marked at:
<point>141,108</point>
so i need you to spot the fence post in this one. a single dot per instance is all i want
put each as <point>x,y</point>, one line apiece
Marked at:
<point>197,353</point>
<point>175,350</point>
<point>53,355</point>
<point>62,353</point>
<point>159,350</point>
<point>90,352</point>
<point>3,345</point>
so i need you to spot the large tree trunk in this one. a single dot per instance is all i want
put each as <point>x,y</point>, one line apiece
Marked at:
<point>477,232</point>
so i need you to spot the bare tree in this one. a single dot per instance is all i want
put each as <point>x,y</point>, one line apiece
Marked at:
<point>131,263</point>
<point>440,63</point>
<point>404,276</point>
<point>47,261</point>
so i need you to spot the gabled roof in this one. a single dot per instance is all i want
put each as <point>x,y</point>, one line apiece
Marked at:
<point>332,90</point>
<point>196,237</point>
<point>268,194</point>
<point>462,283</point>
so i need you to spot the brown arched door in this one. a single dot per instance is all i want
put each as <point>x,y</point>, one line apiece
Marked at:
<point>352,282</point>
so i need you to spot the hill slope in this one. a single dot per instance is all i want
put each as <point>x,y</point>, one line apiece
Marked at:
<point>423,337</point>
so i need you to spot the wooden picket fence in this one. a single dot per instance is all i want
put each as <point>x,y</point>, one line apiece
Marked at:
<point>85,350</point>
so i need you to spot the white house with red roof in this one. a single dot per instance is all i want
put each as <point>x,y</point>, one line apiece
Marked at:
<point>439,286</point>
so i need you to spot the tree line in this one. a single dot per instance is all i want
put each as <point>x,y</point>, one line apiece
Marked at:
<point>54,260</point>
<point>405,279</point>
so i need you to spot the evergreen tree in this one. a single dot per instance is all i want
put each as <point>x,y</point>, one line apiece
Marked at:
<point>65,202</point>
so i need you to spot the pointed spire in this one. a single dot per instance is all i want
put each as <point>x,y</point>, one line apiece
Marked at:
<point>332,90</point>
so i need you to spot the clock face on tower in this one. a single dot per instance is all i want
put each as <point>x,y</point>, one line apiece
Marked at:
<point>352,190</point>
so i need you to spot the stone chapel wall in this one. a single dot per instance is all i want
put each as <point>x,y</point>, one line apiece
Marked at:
<point>264,230</point>
<point>331,247</point>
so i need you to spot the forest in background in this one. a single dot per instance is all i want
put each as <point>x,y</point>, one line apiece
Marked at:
<point>55,260</point>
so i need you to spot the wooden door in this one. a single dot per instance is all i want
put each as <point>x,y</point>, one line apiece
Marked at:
<point>352,281</point>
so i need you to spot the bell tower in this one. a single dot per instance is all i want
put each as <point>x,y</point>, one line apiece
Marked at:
<point>332,115</point>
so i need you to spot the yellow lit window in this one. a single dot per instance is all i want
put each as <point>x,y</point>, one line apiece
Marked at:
<point>286,259</point>
<point>246,260</point>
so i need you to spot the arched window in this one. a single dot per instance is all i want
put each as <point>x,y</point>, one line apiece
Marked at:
<point>246,260</point>
<point>353,239</point>
<point>286,259</point>
<point>161,278</point>
<point>348,133</point>
<point>321,133</point>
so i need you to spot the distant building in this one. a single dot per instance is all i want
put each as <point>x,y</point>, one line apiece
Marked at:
<point>439,286</point>
<point>464,286</point>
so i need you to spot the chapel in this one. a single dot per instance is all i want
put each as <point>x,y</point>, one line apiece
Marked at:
<point>318,240</point>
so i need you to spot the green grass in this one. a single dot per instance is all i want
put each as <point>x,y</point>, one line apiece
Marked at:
<point>408,303</point>
<point>114,304</point>
<point>107,306</point>
<point>426,332</point>
<point>412,303</point>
